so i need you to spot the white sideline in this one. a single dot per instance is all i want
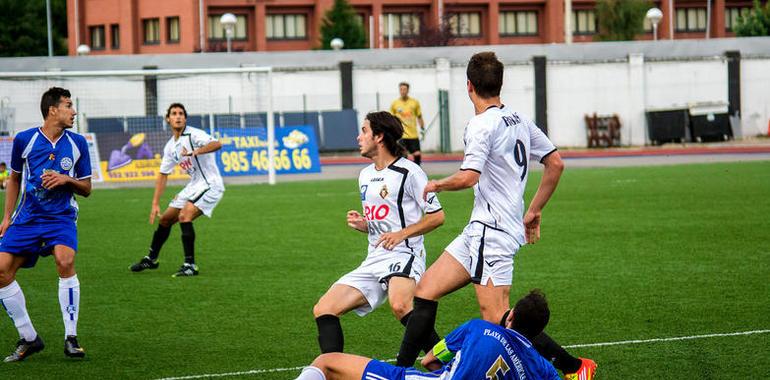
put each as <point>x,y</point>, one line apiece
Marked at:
<point>623,342</point>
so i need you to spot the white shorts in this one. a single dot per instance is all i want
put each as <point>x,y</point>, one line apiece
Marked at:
<point>205,198</point>
<point>486,253</point>
<point>371,277</point>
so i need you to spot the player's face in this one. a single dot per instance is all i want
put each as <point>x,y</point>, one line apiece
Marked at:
<point>366,143</point>
<point>176,118</point>
<point>403,90</point>
<point>64,113</point>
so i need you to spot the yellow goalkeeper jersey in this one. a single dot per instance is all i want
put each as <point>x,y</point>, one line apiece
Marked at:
<point>408,111</point>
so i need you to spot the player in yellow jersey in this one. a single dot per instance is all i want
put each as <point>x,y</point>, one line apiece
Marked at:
<point>3,175</point>
<point>408,110</point>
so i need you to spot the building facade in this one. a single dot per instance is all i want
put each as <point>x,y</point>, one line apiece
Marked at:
<point>185,26</point>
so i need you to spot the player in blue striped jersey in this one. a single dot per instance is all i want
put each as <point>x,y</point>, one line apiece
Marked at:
<point>49,165</point>
<point>476,350</point>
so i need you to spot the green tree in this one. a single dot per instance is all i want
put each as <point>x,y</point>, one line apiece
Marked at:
<point>621,20</point>
<point>23,29</point>
<point>754,23</point>
<point>340,22</point>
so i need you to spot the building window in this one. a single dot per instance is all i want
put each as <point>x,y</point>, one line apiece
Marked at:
<point>691,20</point>
<point>97,37</point>
<point>217,31</point>
<point>151,28</point>
<point>518,23</point>
<point>465,24</point>
<point>731,16</point>
<point>404,24</point>
<point>115,33</point>
<point>584,21</point>
<point>286,27</point>
<point>172,29</point>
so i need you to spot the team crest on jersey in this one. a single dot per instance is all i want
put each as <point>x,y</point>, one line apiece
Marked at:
<point>66,163</point>
<point>384,191</point>
<point>363,192</point>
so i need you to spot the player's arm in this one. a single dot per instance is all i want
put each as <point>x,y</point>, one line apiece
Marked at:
<point>11,196</point>
<point>80,186</point>
<point>437,357</point>
<point>554,166</point>
<point>212,146</point>
<point>160,187</point>
<point>428,223</point>
<point>462,179</point>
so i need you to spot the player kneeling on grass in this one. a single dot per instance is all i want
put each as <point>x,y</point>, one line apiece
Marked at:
<point>395,218</point>
<point>189,147</point>
<point>49,164</point>
<point>476,350</point>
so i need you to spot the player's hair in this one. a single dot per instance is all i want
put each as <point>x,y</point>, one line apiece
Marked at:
<point>485,72</point>
<point>531,314</point>
<point>390,127</point>
<point>404,84</point>
<point>176,105</point>
<point>52,98</point>
<point>2,163</point>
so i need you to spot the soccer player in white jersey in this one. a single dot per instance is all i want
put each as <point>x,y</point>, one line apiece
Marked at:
<point>191,149</point>
<point>396,216</point>
<point>49,165</point>
<point>499,143</point>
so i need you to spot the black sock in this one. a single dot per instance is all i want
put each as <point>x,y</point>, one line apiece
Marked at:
<point>330,336</point>
<point>188,242</point>
<point>418,329</point>
<point>417,159</point>
<point>158,239</point>
<point>433,339</point>
<point>555,353</point>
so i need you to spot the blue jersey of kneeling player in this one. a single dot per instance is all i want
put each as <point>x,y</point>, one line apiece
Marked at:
<point>34,154</point>
<point>484,350</point>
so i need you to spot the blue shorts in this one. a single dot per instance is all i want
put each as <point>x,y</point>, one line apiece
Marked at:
<point>36,239</point>
<point>377,370</point>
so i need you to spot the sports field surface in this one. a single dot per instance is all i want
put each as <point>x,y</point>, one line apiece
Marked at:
<point>669,264</point>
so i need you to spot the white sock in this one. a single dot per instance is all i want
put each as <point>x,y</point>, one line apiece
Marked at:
<point>69,300</point>
<point>12,300</point>
<point>311,373</point>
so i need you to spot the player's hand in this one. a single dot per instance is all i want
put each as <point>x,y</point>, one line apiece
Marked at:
<point>4,226</point>
<point>356,221</point>
<point>390,240</point>
<point>186,153</point>
<point>154,211</point>
<point>431,187</point>
<point>532,226</point>
<point>53,179</point>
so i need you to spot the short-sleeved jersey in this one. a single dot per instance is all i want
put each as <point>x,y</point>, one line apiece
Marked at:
<point>484,350</point>
<point>392,200</point>
<point>4,174</point>
<point>408,111</point>
<point>202,169</point>
<point>34,154</point>
<point>499,144</point>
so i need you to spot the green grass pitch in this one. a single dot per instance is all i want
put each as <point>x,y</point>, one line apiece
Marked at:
<point>626,253</point>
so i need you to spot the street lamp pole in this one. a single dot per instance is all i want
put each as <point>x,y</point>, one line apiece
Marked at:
<point>654,15</point>
<point>48,17</point>
<point>228,20</point>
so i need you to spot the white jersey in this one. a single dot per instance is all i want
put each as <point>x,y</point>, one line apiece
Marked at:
<point>202,169</point>
<point>392,200</point>
<point>499,144</point>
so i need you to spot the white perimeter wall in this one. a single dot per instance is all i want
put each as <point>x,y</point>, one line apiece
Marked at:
<point>624,87</point>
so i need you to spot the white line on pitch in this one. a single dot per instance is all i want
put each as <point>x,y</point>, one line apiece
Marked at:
<point>623,342</point>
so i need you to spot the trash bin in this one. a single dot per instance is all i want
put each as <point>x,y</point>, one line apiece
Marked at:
<point>667,125</point>
<point>710,122</point>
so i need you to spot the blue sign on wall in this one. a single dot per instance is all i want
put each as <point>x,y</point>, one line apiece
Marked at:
<point>244,151</point>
